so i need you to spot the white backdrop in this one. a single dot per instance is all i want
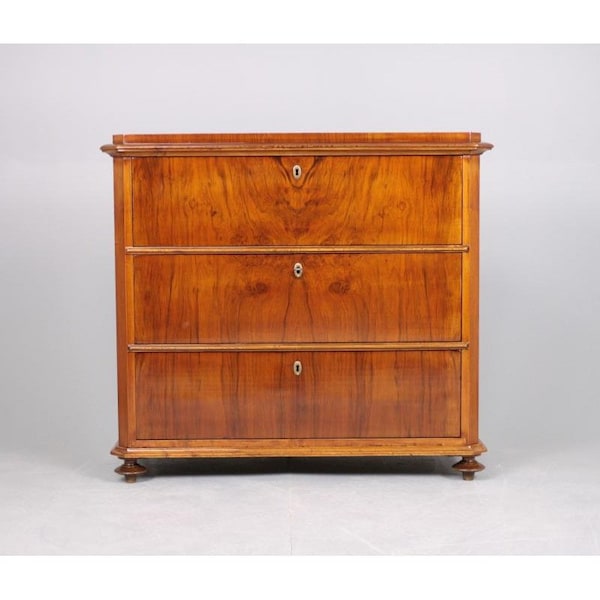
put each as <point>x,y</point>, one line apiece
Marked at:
<point>540,208</point>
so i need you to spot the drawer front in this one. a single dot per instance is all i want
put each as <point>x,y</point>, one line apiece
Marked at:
<point>330,297</point>
<point>297,395</point>
<point>343,200</point>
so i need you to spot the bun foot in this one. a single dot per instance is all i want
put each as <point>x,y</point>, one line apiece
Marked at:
<point>468,466</point>
<point>131,469</point>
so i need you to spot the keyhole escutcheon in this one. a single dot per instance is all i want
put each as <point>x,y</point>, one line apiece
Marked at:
<point>298,270</point>
<point>297,171</point>
<point>297,367</point>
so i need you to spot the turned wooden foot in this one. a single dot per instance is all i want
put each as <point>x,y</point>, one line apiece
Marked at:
<point>468,466</point>
<point>130,469</point>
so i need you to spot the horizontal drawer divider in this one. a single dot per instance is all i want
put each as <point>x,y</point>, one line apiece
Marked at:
<point>300,347</point>
<point>375,249</point>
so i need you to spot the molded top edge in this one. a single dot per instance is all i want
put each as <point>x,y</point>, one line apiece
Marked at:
<point>187,144</point>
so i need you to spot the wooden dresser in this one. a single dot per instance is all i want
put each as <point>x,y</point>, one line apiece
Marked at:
<point>297,295</point>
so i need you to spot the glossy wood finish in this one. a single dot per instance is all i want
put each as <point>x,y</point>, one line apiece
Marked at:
<point>470,301</point>
<point>284,144</point>
<point>124,299</point>
<point>257,298</point>
<point>273,250</point>
<point>243,448</point>
<point>130,469</point>
<point>383,320</point>
<point>336,395</point>
<point>468,466</point>
<point>299,347</point>
<point>256,201</point>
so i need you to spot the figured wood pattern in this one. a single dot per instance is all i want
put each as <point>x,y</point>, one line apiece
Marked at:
<point>211,320</point>
<point>337,395</point>
<point>257,298</point>
<point>208,201</point>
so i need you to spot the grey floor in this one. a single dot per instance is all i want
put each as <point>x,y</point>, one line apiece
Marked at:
<point>543,502</point>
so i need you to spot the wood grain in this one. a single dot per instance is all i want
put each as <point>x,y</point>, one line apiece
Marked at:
<point>447,446</point>
<point>299,347</point>
<point>257,298</point>
<point>322,249</point>
<point>124,300</point>
<point>216,201</point>
<point>285,140</point>
<point>383,321</point>
<point>470,303</point>
<point>280,144</point>
<point>339,395</point>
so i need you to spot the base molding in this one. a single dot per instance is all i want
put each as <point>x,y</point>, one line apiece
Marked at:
<point>468,466</point>
<point>304,447</point>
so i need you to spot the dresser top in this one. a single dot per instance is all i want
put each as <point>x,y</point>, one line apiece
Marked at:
<point>296,144</point>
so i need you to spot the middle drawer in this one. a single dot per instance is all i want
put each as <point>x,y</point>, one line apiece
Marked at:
<point>297,298</point>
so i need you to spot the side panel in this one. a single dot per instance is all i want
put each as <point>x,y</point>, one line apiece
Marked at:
<point>470,301</point>
<point>124,300</point>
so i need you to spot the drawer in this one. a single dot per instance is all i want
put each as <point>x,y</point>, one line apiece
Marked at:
<point>259,298</point>
<point>249,395</point>
<point>342,200</point>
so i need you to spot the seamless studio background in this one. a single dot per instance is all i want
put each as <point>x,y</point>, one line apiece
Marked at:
<point>540,290</point>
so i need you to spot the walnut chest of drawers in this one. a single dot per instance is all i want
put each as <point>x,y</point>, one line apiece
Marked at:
<point>297,295</point>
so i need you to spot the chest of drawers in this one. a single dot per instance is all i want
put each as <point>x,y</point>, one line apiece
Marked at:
<point>297,295</point>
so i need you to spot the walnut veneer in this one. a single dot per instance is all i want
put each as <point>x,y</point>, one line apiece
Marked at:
<point>297,295</point>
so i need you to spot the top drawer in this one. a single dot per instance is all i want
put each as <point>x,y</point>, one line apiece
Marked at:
<point>266,200</point>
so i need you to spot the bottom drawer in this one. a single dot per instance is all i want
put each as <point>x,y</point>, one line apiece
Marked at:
<point>245,395</point>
